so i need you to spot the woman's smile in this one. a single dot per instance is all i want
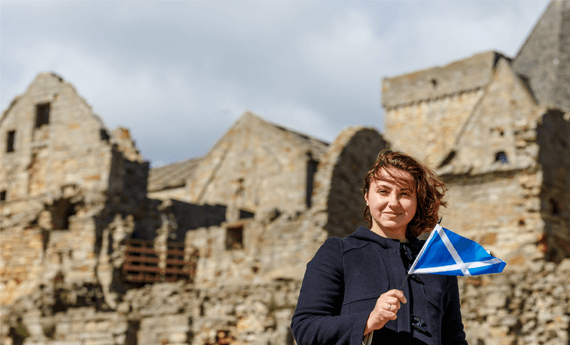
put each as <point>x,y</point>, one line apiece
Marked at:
<point>392,201</point>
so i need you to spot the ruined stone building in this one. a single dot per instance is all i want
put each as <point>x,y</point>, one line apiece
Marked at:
<point>205,251</point>
<point>96,249</point>
<point>497,129</point>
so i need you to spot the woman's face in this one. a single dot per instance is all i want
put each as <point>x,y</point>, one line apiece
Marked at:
<point>392,200</point>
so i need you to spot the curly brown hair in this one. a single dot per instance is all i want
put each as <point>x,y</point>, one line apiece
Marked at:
<point>429,190</point>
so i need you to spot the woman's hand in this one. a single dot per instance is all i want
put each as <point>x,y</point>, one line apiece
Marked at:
<point>387,306</point>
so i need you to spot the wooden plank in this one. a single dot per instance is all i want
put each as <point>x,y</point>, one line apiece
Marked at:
<point>140,250</point>
<point>176,262</point>
<point>132,268</point>
<point>175,252</point>
<point>130,259</point>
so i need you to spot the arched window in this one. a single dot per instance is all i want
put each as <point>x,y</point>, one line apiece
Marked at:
<point>501,156</point>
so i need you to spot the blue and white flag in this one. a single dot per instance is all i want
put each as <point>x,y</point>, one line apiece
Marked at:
<point>447,253</point>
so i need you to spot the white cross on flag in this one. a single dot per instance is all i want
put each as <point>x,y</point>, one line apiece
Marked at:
<point>447,253</point>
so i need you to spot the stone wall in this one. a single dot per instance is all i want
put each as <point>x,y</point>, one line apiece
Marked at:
<point>501,211</point>
<point>502,148</point>
<point>166,194</point>
<point>254,210</point>
<point>21,255</point>
<point>256,166</point>
<point>167,313</point>
<point>338,181</point>
<point>64,276</point>
<point>67,151</point>
<point>69,189</point>
<point>552,136</point>
<point>427,130</point>
<point>529,307</point>
<point>498,134</point>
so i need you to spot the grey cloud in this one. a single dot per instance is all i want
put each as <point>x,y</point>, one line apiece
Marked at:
<point>179,73</point>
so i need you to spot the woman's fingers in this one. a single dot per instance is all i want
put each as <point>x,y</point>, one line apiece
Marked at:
<point>393,304</point>
<point>395,294</point>
<point>386,308</point>
<point>393,298</point>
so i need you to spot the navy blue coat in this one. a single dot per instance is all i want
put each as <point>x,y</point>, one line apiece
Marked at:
<point>346,277</point>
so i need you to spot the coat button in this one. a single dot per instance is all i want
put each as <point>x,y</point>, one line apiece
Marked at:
<point>407,252</point>
<point>415,278</point>
<point>419,324</point>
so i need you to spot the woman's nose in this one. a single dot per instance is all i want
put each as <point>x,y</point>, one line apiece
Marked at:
<point>393,200</point>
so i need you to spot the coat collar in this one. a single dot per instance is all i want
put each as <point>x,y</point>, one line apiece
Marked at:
<point>365,234</point>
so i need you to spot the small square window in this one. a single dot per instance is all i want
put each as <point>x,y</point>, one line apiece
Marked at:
<point>2,195</point>
<point>234,238</point>
<point>42,114</point>
<point>11,141</point>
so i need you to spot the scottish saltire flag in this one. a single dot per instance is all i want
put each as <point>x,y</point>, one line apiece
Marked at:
<point>447,253</point>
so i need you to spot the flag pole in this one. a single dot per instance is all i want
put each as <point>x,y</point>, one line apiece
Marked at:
<point>404,283</point>
<point>406,279</point>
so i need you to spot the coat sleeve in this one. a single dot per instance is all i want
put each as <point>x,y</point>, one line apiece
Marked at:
<point>452,326</point>
<point>317,318</point>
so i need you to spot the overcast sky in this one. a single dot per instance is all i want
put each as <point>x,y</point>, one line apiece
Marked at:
<point>178,74</point>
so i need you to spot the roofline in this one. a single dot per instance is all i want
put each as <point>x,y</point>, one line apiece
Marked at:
<point>551,3</point>
<point>498,55</point>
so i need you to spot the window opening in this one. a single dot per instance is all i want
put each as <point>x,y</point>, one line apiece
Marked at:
<point>2,195</point>
<point>11,141</point>
<point>434,83</point>
<point>555,207</point>
<point>61,210</point>
<point>141,262</point>
<point>234,238</point>
<point>176,267</point>
<point>19,333</point>
<point>245,214</point>
<point>312,165</point>
<point>42,114</point>
<point>501,156</point>
<point>104,135</point>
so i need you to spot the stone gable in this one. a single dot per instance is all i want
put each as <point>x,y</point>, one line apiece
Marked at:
<point>212,253</point>
<point>257,166</point>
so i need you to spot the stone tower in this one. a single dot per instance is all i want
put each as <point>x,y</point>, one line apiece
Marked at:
<point>543,61</point>
<point>497,130</point>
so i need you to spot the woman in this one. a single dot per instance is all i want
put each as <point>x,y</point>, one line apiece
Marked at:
<point>350,291</point>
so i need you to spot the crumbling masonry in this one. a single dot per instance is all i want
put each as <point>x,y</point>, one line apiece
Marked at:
<point>96,249</point>
<point>498,132</point>
<point>212,253</point>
